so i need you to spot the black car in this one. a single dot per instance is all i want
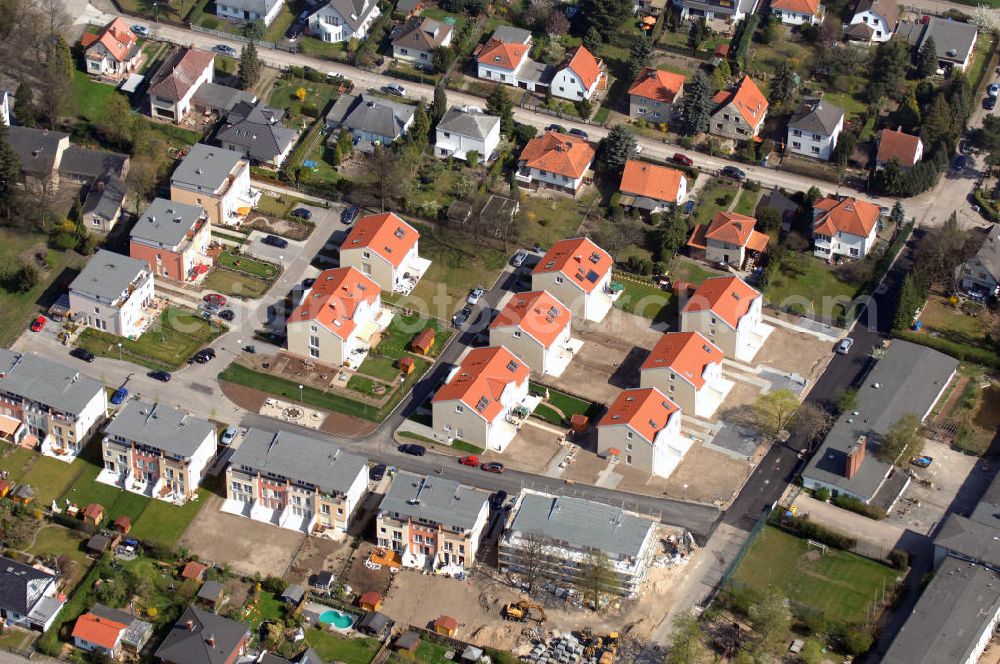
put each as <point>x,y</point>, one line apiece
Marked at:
<point>377,472</point>
<point>459,319</point>
<point>162,376</point>
<point>733,172</point>
<point>554,127</point>
<point>275,241</point>
<point>349,215</point>
<point>302,213</point>
<point>990,103</point>
<point>227,315</point>
<point>415,450</point>
<point>308,282</point>
<point>82,354</point>
<point>498,499</point>
<point>203,356</point>
<point>579,133</point>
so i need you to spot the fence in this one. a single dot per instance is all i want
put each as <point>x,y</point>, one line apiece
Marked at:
<point>727,576</point>
<point>235,37</point>
<point>563,116</point>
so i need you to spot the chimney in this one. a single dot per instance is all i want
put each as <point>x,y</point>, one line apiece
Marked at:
<point>190,625</point>
<point>210,640</point>
<point>856,456</point>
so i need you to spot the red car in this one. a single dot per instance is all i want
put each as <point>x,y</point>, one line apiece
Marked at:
<point>683,159</point>
<point>492,467</point>
<point>38,324</point>
<point>471,460</point>
<point>216,299</point>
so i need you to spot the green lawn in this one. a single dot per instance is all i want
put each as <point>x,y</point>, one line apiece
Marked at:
<point>839,584</point>
<point>317,48</point>
<point>647,300</point>
<point>428,652</point>
<point>331,647</point>
<point>809,286</point>
<point>50,477</point>
<point>236,284</point>
<point>276,31</point>
<point>546,413</point>
<point>14,459</point>
<point>317,95</point>
<point>116,502</point>
<point>246,264</point>
<point>569,405</point>
<point>272,207</point>
<point>691,271</point>
<point>941,319</point>
<point>851,104</point>
<point>379,366</point>
<point>403,328</point>
<point>550,220</point>
<point>55,540</point>
<point>715,197</point>
<point>457,20</point>
<point>747,203</point>
<point>88,96</point>
<point>164,523</point>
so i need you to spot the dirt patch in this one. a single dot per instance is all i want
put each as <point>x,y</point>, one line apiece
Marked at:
<point>585,467</point>
<point>237,592</point>
<point>246,398</point>
<point>788,350</point>
<point>248,546</point>
<point>361,579</point>
<point>532,450</point>
<point>286,228</point>
<point>710,476</point>
<point>345,425</point>
<point>318,554</point>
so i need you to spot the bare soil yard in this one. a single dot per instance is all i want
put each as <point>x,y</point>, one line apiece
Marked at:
<point>797,352</point>
<point>532,450</point>
<point>318,554</point>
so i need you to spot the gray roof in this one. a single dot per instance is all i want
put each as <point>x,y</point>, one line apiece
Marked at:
<point>299,458</point>
<point>205,168</point>
<point>955,607</point>
<point>156,425</point>
<point>105,197</point>
<point>407,6</point>
<point>36,148</point>
<point>434,498</point>
<point>421,34</point>
<point>309,656</point>
<point>271,658</point>
<point>468,123</point>
<point>989,254</point>
<point>166,222</point>
<point>107,275</point>
<point>51,383</point>
<point>816,116</point>
<point>353,12</point>
<point>949,36</point>
<point>210,590</point>
<point>191,645</point>
<point>512,35</point>
<point>371,114</point>
<point>374,621</point>
<point>83,162</point>
<point>910,379</point>
<point>221,97</point>
<point>258,129</point>
<point>582,524</point>
<point>887,9</point>
<point>14,579</point>
<point>294,592</point>
<point>987,511</point>
<point>970,539</point>
<point>138,631</point>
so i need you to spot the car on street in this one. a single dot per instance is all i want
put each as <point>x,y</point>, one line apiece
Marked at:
<point>844,345</point>
<point>38,324</point>
<point>275,241</point>
<point>377,472</point>
<point>119,396</point>
<point>498,499</point>
<point>226,50</point>
<point>989,103</point>
<point>492,467</point>
<point>82,354</point>
<point>683,159</point>
<point>519,258</point>
<point>302,213</point>
<point>394,89</point>
<point>459,319</point>
<point>734,173</point>
<point>227,315</point>
<point>469,460</point>
<point>922,461</point>
<point>228,436</point>
<point>160,375</point>
<point>203,356</point>
<point>348,216</point>
<point>555,127</point>
<point>993,90</point>
<point>579,133</point>
<point>413,450</point>
<point>215,299</point>
<point>475,295</point>
<point>140,30</point>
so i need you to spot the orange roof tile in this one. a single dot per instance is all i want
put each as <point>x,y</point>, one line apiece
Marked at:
<point>505,55</point>
<point>657,182</point>
<point>731,227</point>
<point>539,314</point>
<point>758,241</point>
<point>116,37</point>
<point>481,378</point>
<point>99,631</point>
<point>334,300</point>
<point>558,153</point>
<point>579,259</point>
<point>583,63</point>
<point>193,570</point>
<point>386,234</point>
<point>686,354</point>
<point>93,511</point>
<point>646,410</point>
<point>749,101</point>
<point>729,298</point>
<point>657,85</point>
<point>849,215</point>
<point>807,7</point>
<point>899,145</point>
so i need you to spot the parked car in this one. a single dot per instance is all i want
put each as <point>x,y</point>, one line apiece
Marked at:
<point>226,50</point>
<point>683,159</point>
<point>119,396</point>
<point>556,127</point>
<point>459,319</point>
<point>228,436</point>
<point>394,89</point>
<point>38,324</point>
<point>227,315</point>
<point>733,172</point>
<point>160,375</point>
<point>203,356</point>
<point>377,472</point>
<point>141,30</point>
<point>349,215</point>
<point>275,241</point>
<point>493,467</point>
<point>844,345</point>
<point>921,461</point>
<point>302,213</point>
<point>82,354</point>
<point>475,295</point>
<point>469,460</point>
<point>215,299</point>
<point>414,450</point>
<point>689,207</point>
<point>989,103</point>
<point>579,133</point>
<point>993,90</point>
<point>498,499</point>
<point>519,258</point>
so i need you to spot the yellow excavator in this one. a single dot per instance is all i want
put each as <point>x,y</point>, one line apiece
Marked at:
<point>604,644</point>
<point>521,611</point>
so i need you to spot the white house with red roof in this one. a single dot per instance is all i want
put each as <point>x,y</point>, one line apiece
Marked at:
<point>730,239</point>
<point>537,327</point>
<point>739,113</point>
<point>797,12</point>
<point>579,77</point>
<point>555,161</point>
<point>578,273</point>
<point>907,149</point>
<point>687,367</point>
<point>338,318</point>
<point>114,52</point>
<point>651,187</point>
<point>642,428</point>
<point>484,400</point>
<point>653,95</point>
<point>844,227</point>
<point>173,86</point>
<point>727,312</point>
<point>385,249</point>
<point>504,59</point>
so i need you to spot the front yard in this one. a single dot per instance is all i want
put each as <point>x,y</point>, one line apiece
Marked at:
<point>331,647</point>
<point>236,283</point>
<point>715,197</point>
<point>808,286</point>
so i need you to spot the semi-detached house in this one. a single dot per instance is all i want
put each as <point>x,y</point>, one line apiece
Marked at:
<point>642,428</point>
<point>728,312</point>
<point>844,227</point>
<point>536,327</point>
<point>172,238</point>
<point>218,180</point>
<point>577,272</point>
<point>113,294</point>
<point>687,367</point>
<point>504,59</point>
<point>385,249</point>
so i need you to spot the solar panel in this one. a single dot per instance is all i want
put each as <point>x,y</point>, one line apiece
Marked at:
<point>592,277</point>
<point>512,366</point>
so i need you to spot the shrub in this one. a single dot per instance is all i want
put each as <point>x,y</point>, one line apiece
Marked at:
<point>210,22</point>
<point>274,585</point>
<point>857,640</point>
<point>312,110</point>
<point>822,494</point>
<point>899,558</point>
<point>959,351</point>
<point>859,507</point>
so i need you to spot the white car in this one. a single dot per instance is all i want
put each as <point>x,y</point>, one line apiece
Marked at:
<point>228,436</point>
<point>475,295</point>
<point>141,30</point>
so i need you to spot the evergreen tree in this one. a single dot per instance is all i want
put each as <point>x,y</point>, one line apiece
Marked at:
<point>498,103</point>
<point>420,130</point>
<point>670,235</point>
<point>697,34</point>
<point>937,124</point>
<point>898,214</point>
<point>783,84</point>
<point>254,30</point>
<point>888,67</point>
<point>439,106</point>
<point>592,39</point>
<point>604,17</point>
<point>250,67</point>
<point>640,55</point>
<point>844,148</point>
<point>58,76</point>
<point>927,59</point>
<point>24,104</point>
<point>10,171</point>
<point>616,148</point>
<point>907,115</point>
<point>696,104</point>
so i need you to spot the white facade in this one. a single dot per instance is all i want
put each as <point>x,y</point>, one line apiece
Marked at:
<point>741,342</point>
<point>330,26</point>
<point>5,107</point>
<point>812,144</point>
<point>311,339</point>
<point>698,401</point>
<point>258,13</point>
<point>882,31</point>
<point>454,144</point>
<point>162,107</point>
<point>789,17</point>
<point>502,74</point>
<point>844,244</point>
<point>567,85</point>
<point>124,316</point>
<point>555,180</point>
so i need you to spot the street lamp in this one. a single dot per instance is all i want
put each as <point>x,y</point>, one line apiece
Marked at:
<point>300,393</point>
<point>685,492</point>
<point>119,351</point>
<point>156,14</point>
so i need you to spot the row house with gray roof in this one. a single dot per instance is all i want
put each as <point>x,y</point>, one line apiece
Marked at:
<point>113,294</point>
<point>563,531</point>
<point>48,404</point>
<point>814,129</point>
<point>342,20</point>
<point>432,522</point>
<point>372,120</point>
<point>294,482</point>
<point>257,133</point>
<point>156,451</point>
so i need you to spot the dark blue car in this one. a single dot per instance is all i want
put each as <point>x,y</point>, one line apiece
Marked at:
<point>119,396</point>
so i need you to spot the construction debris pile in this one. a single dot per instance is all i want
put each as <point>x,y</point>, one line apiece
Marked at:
<point>677,551</point>
<point>584,648</point>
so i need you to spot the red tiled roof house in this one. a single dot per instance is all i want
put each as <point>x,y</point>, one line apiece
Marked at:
<point>114,52</point>
<point>730,239</point>
<point>797,12</point>
<point>739,113</point>
<point>643,429</point>
<point>385,249</point>
<point>727,312</point>
<point>650,187</point>
<point>905,148</point>
<point>504,58</point>
<point>579,77</point>
<point>555,161</point>
<point>537,328</point>
<point>174,84</point>
<point>484,399</point>
<point>687,367</point>
<point>844,227</point>
<point>338,318</point>
<point>577,272</point>
<point>653,95</point>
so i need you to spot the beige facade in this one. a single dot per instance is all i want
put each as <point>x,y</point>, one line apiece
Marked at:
<point>593,306</point>
<point>542,359</point>
<point>303,504</point>
<point>370,264</point>
<point>741,342</point>
<point>456,420</point>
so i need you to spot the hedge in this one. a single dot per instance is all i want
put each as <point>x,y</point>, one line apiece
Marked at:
<point>962,352</point>
<point>814,531</point>
<point>985,206</point>
<point>854,505</point>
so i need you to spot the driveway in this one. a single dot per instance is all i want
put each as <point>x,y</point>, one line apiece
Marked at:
<point>881,533</point>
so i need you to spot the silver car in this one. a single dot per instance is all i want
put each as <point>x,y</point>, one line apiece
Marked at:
<point>844,345</point>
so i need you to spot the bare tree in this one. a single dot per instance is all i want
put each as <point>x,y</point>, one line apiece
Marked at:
<point>596,577</point>
<point>811,422</point>
<point>386,179</point>
<point>533,558</point>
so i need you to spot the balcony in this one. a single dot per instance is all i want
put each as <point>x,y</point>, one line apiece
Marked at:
<point>523,175</point>
<point>409,275</point>
<point>614,290</point>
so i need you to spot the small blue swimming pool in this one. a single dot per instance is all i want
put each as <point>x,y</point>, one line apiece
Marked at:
<point>336,618</point>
